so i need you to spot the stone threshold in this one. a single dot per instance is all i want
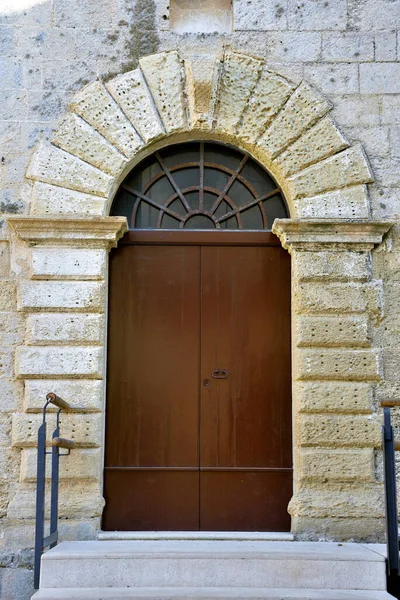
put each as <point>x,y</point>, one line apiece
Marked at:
<point>266,536</point>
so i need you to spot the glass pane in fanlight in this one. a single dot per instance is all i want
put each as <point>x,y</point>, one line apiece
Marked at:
<point>222,155</point>
<point>160,191</point>
<point>258,178</point>
<point>185,178</point>
<point>199,222</point>
<point>192,198</point>
<point>178,207</point>
<point>181,153</point>
<point>146,216</point>
<point>213,178</point>
<point>275,209</point>
<point>169,222</point>
<point>140,177</point>
<point>240,195</point>
<point>252,218</point>
<point>222,209</point>
<point>209,200</point>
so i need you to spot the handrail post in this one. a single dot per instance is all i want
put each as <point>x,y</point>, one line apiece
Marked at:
<point>55,464</point>
<point>40,494</point>
<point>392,535</point>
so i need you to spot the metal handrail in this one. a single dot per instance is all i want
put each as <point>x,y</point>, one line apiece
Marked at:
<point>390,445</point>
<point>42,542</point>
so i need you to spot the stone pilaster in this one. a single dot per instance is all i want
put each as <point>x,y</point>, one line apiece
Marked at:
<point>336,304</point>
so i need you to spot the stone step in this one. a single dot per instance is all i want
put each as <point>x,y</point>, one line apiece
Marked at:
<point>211,564</point>
<point>206,594</point>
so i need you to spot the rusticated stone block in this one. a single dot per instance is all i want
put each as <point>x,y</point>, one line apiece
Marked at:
<point>75,136</point>
<point>80,464</point>
<point>132,94</point>
<point>338,431</point>
<point>52,165</point>
<point>68,263</point>
<point>59,361</point>
<point>322,465</point>
<point>85,430</point>
<point>338,297</point>
<point>391,364</point>
<point>339,500</point>
<point>269,95</point>
<point>333,396</point>
<point>331,331</point>
<point>304,107</point>
<point>318,142</point>
<point>345,169</point>
<point>66,296</point>
<point>73,501</point>
<point>330,363</point>
<point>82,394</point>
<point>235,90</point>
<point>96,106</point>
<point>12,328</point>
<point>164,75</point>
<point>348,203</point>
<point>53,200</point>
<point>332,265</point>
<point>65,328</point>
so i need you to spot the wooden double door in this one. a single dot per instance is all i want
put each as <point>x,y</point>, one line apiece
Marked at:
<point>198,420</point>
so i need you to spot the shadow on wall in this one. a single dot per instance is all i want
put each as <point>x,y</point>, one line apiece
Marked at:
<point>48,50</point>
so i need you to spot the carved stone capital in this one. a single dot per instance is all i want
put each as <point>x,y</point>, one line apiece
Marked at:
<point>95,232</point>
<point>330,235</point>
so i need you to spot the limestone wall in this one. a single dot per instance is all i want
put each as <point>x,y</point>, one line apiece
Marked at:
<point>345,289</point>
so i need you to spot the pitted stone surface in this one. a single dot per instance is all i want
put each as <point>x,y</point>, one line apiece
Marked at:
<point>53,200</point>
<point>68,263</point>
<point>348,203</point>
<point>339,297</point>
<point>84,395</point>
<point>304,107</point>
<point>66,296</point>
<point>318,142</point>
<point>75,136</point>
<point>322,465</point>
<point>329,363</point>
<point>59,361</point>
<point>64,328</point>
<point>270,94</point>
<point>84,464</point>
<point>164,74</point>
<point>239,76</point>
<point>84,429</point>
<point>348,397</point>
<point>339,501</point>
<point>52,165</point>
<point>94,104</point>
<point>132,94</point>
<point>334,266</point>
<point>339,431</point>
<point>342,170</point>
<point>331,331</point>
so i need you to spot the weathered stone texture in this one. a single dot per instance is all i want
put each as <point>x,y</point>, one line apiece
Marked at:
<point>51,328</point>
<point>348,203</point>
<point>51,199</point>
<point>323,465</point>
<point>332,331</point>
<point>339,297</point>
<point>82,464</point>
<point>334,396</point>
<point>66,296</point>
<point>330,265</point>
<point>82,394</point>
<point>84,429</point>
<point>56,361</point>
<point>338,431</point>
<point>353,365</point>
<point>68,263</point>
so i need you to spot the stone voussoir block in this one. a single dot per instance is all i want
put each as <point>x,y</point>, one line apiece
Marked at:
<point>270,94</point>
<point>335,464</point>
<point>52,165</point>
<point>317,143</point>
<point>347,168</point>
<point>61,295</point>
<point>349,397</point>
<point>164,74</point>
<point>94,104</point>
<point>338,431</point>
<point>65,328</point>
<point>133,96</point>
<point>332,331</point>
<point>83,395</point>
<point>68,263</point>
<point>235,89</point>
<point>84,429</point>
<point>347,203</point>
<point>59,361</point>
<point>52,199</point>
<point>340,298</point>
<point>332,363</point>
<point>332,265</point>
<point>80,464</point>
<point>79,138</point>
<point>304,107</point>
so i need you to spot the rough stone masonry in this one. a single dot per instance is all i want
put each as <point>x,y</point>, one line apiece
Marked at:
<point>312,90</point>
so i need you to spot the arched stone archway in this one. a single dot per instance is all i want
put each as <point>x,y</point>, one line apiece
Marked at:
<point>62,283</point>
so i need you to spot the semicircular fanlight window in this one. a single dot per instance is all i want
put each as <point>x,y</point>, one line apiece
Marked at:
<point>199,185</point>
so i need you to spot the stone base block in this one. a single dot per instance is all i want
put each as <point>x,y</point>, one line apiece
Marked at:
<point>339,529</point>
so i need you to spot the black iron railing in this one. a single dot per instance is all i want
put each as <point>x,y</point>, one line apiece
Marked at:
<point>42,541</point>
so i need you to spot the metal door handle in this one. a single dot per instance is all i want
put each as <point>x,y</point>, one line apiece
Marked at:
<point>220,374</point>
